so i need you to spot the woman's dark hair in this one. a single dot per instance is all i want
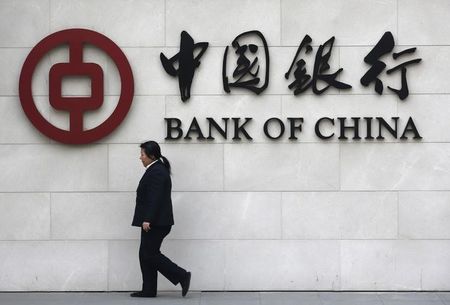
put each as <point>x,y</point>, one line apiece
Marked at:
<point>151,148</point>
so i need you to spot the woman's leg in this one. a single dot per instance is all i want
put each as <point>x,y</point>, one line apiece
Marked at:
<point>152,260</point>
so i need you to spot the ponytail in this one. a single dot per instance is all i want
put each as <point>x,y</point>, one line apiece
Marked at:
<point>166,163</point>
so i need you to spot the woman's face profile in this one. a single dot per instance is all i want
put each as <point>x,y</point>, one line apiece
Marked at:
<point>144,158</point>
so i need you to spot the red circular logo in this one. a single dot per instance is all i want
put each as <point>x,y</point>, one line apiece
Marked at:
<point>76,106</point>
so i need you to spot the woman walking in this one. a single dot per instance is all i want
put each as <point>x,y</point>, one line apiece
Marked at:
<point>153,214</point>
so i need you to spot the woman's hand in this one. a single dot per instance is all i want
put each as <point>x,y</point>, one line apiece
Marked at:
<point>146,226</point>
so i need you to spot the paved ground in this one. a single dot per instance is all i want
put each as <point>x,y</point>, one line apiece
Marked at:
<point>230,298</point>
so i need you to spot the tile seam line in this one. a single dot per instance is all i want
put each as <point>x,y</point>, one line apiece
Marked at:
<point>107,167</point>
<point>397,13</point>
<point>49,16</point>
<point>107,264</point>
<point>223,167</point>
<point>234,291</point>
<point>398,214</point>
<point>221,191</point>
<point>165,22</point>
<point>268,142</point>
<point>281,21</point>
<point>51,221</point>
<point>233,143</point>
<point>227,191</point>
<point>229,240</point>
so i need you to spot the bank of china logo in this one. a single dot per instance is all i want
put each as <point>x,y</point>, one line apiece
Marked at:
<point>76,40</point>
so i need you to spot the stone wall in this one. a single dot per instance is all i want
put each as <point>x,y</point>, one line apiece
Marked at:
<point>306,214</point>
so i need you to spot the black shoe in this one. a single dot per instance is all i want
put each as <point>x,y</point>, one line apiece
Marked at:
<point>185,284</point>
<point>142,294</point>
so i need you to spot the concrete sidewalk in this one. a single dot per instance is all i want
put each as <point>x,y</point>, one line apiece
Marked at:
<point>230,298</point>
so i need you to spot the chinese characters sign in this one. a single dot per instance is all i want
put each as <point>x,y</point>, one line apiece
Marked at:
<point>247,73</point>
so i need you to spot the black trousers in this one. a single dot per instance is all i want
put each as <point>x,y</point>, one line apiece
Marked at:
<point>152,260</point>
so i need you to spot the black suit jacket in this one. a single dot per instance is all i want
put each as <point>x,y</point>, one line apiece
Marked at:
<point>153,201</point>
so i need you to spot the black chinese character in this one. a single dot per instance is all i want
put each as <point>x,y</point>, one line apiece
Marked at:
<point>187,63</point>
<point>385,46</point>
<point>303,81</point>
<point>246,72</point>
